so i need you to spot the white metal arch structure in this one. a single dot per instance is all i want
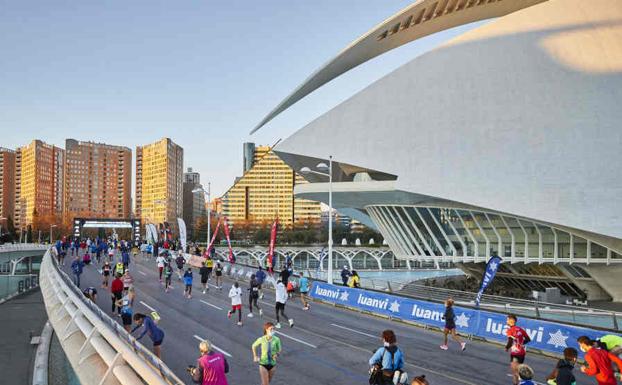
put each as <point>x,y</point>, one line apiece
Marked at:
<point>422,18</point>
<point>98,348</point>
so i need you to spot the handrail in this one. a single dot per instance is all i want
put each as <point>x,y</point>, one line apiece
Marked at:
<point>99,349</point>
<point>22,246</point>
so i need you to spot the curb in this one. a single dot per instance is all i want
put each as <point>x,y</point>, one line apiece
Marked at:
<point>40,370</point>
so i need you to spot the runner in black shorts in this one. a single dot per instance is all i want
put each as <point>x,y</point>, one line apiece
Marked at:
<point>218,275</point>
<point>204,276</point>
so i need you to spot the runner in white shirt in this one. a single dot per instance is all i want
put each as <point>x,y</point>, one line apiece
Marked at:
<point>236,302</point>
<point>281,299</point>
<point>161,261</point>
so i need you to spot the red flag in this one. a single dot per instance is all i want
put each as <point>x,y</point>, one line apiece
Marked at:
<point>272,244</point>
<point>226,228</point>
<point>211,242</point>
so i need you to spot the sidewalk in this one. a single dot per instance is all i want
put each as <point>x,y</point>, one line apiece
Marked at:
<point>20,318</point>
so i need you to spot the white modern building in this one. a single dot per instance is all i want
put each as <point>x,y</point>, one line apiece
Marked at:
<point>506,139</point>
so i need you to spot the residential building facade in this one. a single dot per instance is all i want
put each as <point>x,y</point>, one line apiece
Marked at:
<point>7,183</point>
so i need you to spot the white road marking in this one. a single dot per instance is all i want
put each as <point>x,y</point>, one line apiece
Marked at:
<point>141,272</point>
<point>355,331</point>
<point>147,306</point>
<point>266,303</point>
<point>297,340</point>
<point>213,285</point>
<point>213,346</point>
<point>209,304</point>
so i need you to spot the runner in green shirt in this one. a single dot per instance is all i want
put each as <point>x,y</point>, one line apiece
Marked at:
<point>270,350</point>
<point>613,343</point>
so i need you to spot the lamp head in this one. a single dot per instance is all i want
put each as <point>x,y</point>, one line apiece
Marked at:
<point>322,167</point>
<point>305,170</point>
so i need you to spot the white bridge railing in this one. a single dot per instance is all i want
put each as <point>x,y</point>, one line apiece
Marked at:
<point>98,348</point>
<point>8,247</point>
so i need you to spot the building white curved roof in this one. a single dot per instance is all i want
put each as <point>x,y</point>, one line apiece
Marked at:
<point>520,116</point>
<point>422,18</point>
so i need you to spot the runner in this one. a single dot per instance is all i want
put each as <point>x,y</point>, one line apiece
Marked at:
<point>303,283</point>
<point>281,300</point>
<point>128,280</point>
<point>106,270</point>
<point>91,293</point>
<point>119,268</point>
<point>180,261</point>
<point>160,261</point>
<point>188,283</point>
<point>125,258</point>
<point>76,269</point>
<point>126,303</point>
<point>168,274</point>
<point>253,296</point>
<point>291,289</point>
<point>210,266</point>
<point>517,338</point>
<point>612,343</point>
<point>450,325</point>
<point>211,366</point>
<point>599,362</point>
<point>218,276</point>
<point>204,272</point>
<point>155,333</point>
<point>270,349</point>
<point>116,290</point>
<point>261,277</point>
<point>235,293</point>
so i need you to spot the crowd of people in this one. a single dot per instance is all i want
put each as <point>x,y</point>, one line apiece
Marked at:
<point>387,362</point>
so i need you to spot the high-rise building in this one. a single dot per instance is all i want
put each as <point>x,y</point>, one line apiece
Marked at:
<point>39,175</point>
<point>194,202</point>
<point>97,180</point>
<point>159,182</point>
<point>7,183</point>
<point>267,190</point>
<point>249,156</point>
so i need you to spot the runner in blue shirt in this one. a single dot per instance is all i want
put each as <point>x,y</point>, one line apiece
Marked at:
<point>260,276</point>
<point>155,333</point>
<point>303,283</point>
<point>188,283</point>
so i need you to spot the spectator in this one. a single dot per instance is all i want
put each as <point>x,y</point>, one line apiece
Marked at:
<point>354,281</point>
<point>155,333</point>
<point>345,274</point>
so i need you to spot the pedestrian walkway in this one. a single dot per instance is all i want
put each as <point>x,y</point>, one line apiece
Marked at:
<point>21,318</point>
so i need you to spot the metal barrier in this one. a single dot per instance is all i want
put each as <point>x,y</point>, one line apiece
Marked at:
<point>7,247</point>
<point>12,285</point>
<point>99,349</point>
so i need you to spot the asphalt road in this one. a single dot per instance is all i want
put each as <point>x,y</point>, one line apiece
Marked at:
<point>327,345</point>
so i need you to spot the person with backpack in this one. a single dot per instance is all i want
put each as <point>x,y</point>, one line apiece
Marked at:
<point>387,362</point>
<point>562,374</point>
<point>450,325</point>
<point>517,339</point>
<point>270,349</point>
<point>211,367</point>
<point>253,296</point>
<point>155,333</point>
<point>76,268</point>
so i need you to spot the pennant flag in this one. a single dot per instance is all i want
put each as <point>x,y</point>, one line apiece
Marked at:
<point>211,242</point>
<point>182,233</point>
<point>273,231</point>
<point>489,275</point>
<point>226,228</point>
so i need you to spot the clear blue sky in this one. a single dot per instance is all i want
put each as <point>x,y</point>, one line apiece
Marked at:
<point>200,72</point>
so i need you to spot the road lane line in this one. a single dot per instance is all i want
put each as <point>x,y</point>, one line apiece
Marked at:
<point>355,331</point>
<point>214,286</point>
<point>140,272</point>
<point>297,340</point>
<point>209,304</point>
<point>147,306</point>
<point>214,346</point>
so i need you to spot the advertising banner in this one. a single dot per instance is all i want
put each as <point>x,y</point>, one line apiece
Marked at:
<point>489,275</point>
<point>182,233</point>
<point>547,336</point>
<point>226,228</point>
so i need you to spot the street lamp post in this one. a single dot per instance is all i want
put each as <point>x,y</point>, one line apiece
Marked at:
<point>51,227</point>
<point>2,219</point>
<point>208,193</point>
<point>329,174</point>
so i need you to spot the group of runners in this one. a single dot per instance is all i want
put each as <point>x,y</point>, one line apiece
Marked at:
<point>600,355</point>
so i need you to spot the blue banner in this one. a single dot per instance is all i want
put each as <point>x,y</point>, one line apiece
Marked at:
<point>489,275</point>
<point>548,336</point>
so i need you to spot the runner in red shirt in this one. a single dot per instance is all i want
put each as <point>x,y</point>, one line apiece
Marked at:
<point>599,362</point>
<point>517,338</point>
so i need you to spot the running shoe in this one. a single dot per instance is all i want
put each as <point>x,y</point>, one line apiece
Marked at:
<point>278,325</point>
<point>444,347</point>
<point>203,291</point>
<point>463,345</point>
<point>291,322</point>
<point>229,314</point>
<point>305,308</point>
<point>250,315</point>
<point>239,323</point>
